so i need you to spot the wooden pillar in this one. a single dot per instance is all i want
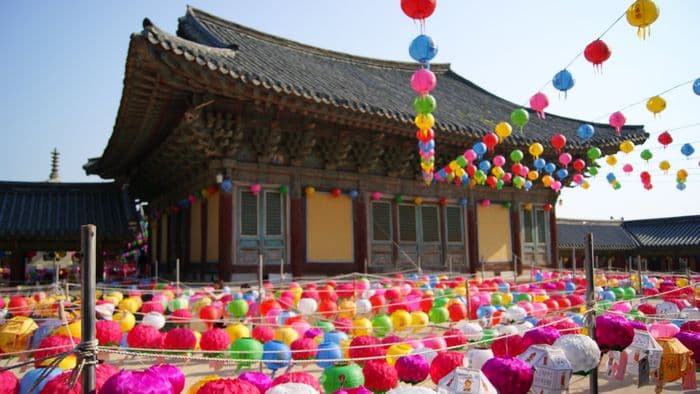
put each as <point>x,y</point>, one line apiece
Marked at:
<point>443,236</point>
<point>360,225</point>
<point>395,232</point>
<point>17,265</point>
<point>298,234</point>
<point>515,236</point>
<point>203,233</point>
<point>472,238</point>
<point>186,222</point>
<point>225,235</point>
<point>554,247</point>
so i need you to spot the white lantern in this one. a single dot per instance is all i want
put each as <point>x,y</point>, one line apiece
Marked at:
<point>363,306</point>
<point>523,327</point>
<point>477,357</point>
<point>552,370</point>
<point>292,388</point>
<point>3,316</point>
<point>105,311</point>
<point>690,313</point>
<point>465,381</point>
<point>668,310</point>
<point>506,329</point>
<point>198,325</point>
<point>581,351</point>
<point>643,345</point>
<point>473,331</point>
<point>410,390</point>
<point>307,306</point>
<point>515,314</point>
<point>154,319</point>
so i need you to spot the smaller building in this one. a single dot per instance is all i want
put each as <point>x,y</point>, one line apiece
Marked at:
<point>663,244</point>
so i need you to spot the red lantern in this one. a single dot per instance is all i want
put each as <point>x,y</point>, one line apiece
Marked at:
<point>491,181</point>
<point>210,314</point>
<point>336,192</point>
<point>425,137</point>
<point>418,9</point>
<point>558,141</point>
<point>597,52</point>
<point>579,165</point>
<point>490,140</point>
<point>517,168</point>
<point>547,207</point>
<point>443,201</point>
<point>665,139</point>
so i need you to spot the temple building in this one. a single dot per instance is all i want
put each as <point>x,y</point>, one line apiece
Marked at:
<point>249,146</point>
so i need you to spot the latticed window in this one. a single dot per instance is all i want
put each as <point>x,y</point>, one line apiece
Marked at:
<point>249,213</point>
<point>454,224</point>
<point>407,223</point>
<point>381,221</point>
<point>273,213</point>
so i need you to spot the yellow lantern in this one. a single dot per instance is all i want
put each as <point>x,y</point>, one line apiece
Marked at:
<point>461,290</point>
<point>128,304</point>
<point>397,350</point>
<point>400,319</point>
<point>117,295</point>
<point>503,130</point>
<point>69,362</point>
<point>665,166</point>
<point>507,298</point>
<point>611,160</point>
<point>585,185</point>
<point>536,150</point>
<point>418,200</point>
<point>527,206</point>
<point>626,146</point>
<point>201,382</point>
<point>309,191</point>
<point>345,347</point>
<point>15,334</point>
<point>675,361</point>
<point>197,335</point>
<point>238,330</point>
<point>547,180</point>
<point>641,14</point>
<point>656,104</point>
<point>347,309</point>
<point>361,326</point>
<point>286,335</point>
<point>424,121</point>
<point>199,304</point>
<point>497,172</point>
<point>126,320</point>
<point>419,320</point>
<point>73,330</point>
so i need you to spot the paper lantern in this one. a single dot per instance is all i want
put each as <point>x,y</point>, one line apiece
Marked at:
<point>676,361</point>
<point>643,345</point>
<point>463,380</point>
<point>663,329</point>
<point>261,333</point>
<point>328,351</point>
<point>563,81</point>
<point>303,349</point>
<point>539,102</point>
<point>581,351</point>
<point>365,347</point>
<point>444,363</point>
<point>641,14</point>
<point>379,376</point>
<point>228,386</point>
<point>31,379</point>
<point>413,368</point>
<point>215,339</point>
<point>509,375</point>
<point>656,104</point>
<point>665,139</point>
<point>477,357</point>
<point>399,390</point>
<point>617,120</point>
<point>336,377</point>
<point>9,384</point>
<point>691,340</point>
<point>552,370</point>
<point>246,351</point>
<point>145,337</point>
<point>154,319</point>
<point>423,49</point>
<point>540,336</point>
<point>292,388</point>
<point>520,117</point>
<point>418,9</point>
<point>59,383</point>
<point>53,345</point>
<point>258,379</point>
<point>108,333</point>
<point>473,331</point>
<point>423,81</point>
<point>276,355</point>
<point>237,331</point>
<point>597,52</point>
<point>180,338</point>
<point>510,345</point>
<point>298,377</point>
<point>171,373</point>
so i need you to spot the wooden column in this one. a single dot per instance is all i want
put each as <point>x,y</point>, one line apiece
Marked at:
<point>443,236</point>
<point>225,235</point>
<point>186,223</point>
<point>203,233</point>
<point>472,238</point>
<point>298,234</point>
<point>395,232</point>
<point>17,265</point>
<point>515,234</point>
<point>360,224</point>
<point>553,237</point>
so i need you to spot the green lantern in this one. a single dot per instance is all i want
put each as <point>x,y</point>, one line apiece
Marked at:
<point>246,349</point>
<point>341,376</point>
<point>439,315</point>
<point>489,335</point>
<point>284,189</point>
<point>237,308</point>
<point>326,326</point>
<point>381,325</point>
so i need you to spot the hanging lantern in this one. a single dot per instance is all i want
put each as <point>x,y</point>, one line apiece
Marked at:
<point>585,131</point>
<point>509,375</point>
<point>255,188</point>
<point>687,150</point>
<point>539,102</point>
<point>558,141</point>
<point>665,139</point>
<point>463,380</point>
<point>611,160</point>
<point>641,14</point>
<point>676,361</point>
<point>664,166</point>
<point>418,9</point>
<point>520,116</point>
<point>613,332</point>
<point>696,86</point>
<point>646,155</point>
<point>563,81</point>
<point>581,351</point>
<point>422,49</point>
<point>597,52</point>
<point>552,371</point>
<point>626,146</point>
<point>490,140</point>
<point>310,190</point>
<point>656,104</point>
<point>617,120</point>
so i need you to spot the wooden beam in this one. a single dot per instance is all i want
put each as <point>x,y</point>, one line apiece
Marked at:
<point>225,235</point>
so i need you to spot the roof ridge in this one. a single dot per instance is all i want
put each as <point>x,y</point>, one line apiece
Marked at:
<point>196,14</point>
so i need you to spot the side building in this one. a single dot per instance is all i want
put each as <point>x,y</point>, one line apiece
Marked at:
<point>250,146</point>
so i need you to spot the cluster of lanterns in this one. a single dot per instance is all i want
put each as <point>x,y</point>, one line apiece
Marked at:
<point>423,81</point>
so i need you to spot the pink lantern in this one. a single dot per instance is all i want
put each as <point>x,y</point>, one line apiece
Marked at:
<point>376,196</point>
<point>577,178</point>
<point>613,332</point>
<point>507,177</point>
<point>499,161</point>
<point>539,102</point>
<point>470,155</point>
<point>423,81</point>
<point>617,120</point>
<point>627,168</point>
<point>255,188</point>
<point>565,159</point>
<point>663,329</point>
<point>555,185</point>
<point>509,375</point>
<point>485,202</point>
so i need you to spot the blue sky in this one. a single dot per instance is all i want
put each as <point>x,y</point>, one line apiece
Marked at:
<point>64,64</point>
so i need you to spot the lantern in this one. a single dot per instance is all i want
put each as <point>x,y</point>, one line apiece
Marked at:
<point>563,81</point>
<point>626,146</point>
<point>664,166</point>
<point>418,9</point>
<point>503,130</point>
<point>536,149</point>
<point>340,376</point>
<point>423,50</point>
<point>490,140</point>
<point>676,361</point>
<point>299,378</point>
<point>558,141</point>
<point>581,351</point>
<point>597,52</point>
<point>552,370</point>
<point>696,86</point>
<point>509,374</point>
<point>656,104</point>
<point>444,363</point>
<point>643,345</point>
<point>687,150</point>
<point>413,368</point>
<point>617,120</point>
<point>379,376</point>
<point>463,380</point>
<point>641,14</point>
<point>520,116</point>
<point>585,131</point>
<point>665,139</point>
<point>539,102</point>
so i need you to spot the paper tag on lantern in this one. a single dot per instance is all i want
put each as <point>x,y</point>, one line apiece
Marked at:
<point>690,380</point>
<point>216,365</point>
<point>643,371</point>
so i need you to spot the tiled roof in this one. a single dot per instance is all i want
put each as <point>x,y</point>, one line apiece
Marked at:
<point>361,84</point>
<point>676,231</point>
<point>607,235</point>
<point>52,211</point>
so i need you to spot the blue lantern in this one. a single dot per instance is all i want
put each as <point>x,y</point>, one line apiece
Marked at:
<point>550,167</point>
<point>422,49</point>
<point>335,337</point>
<point>353,194</point>
<point>585,131</point>
<point>463,201</point>
<point>680,186</point>
<point>276,355</point>
<point>696,86</point>
<point>31,377</point>
<point>328,351</point>
<point>226,185</point>
<point>539,164</point>
<point>527,185</point>
<point>562,173</point>
<point>479,148</point>
<point>485,166</point>
<point>563,81</point>
<point>610,177</point>
<point>687,150</point>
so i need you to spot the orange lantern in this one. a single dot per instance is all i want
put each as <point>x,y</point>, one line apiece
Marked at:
<point>676,361</point>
